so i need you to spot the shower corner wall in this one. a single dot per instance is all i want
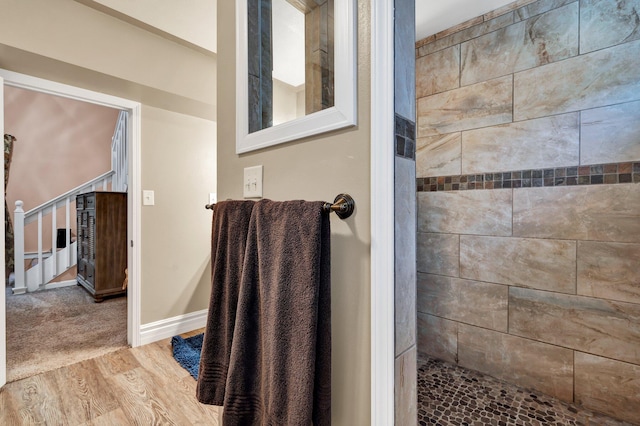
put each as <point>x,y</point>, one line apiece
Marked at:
<point>405,215</point>
<point>528,177</point>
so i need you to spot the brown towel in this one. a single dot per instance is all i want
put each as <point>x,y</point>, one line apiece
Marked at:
<point>228,241</point>
<point>280,367</point>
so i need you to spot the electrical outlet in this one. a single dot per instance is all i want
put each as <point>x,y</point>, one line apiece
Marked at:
<point>252,183</point>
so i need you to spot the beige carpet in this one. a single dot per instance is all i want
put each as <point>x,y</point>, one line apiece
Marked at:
<point>54,328</point>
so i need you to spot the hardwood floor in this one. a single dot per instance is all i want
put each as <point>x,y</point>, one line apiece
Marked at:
<point>135,386</point>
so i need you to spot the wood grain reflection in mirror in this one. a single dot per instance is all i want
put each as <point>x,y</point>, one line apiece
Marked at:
<point>290,60</point>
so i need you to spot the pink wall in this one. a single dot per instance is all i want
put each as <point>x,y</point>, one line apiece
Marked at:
<point>61,143</point>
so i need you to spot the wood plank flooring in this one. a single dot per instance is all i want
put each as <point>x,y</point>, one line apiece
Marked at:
<point>135,386</point>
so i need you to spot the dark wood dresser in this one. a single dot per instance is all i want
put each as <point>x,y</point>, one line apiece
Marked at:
<point>102,242</point>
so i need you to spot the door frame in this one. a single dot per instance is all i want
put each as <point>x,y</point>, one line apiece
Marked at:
<point>3,302</point>
<point>382,214</point>
<point>134,200</point>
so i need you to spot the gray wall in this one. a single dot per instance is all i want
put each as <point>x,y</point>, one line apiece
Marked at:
<point>318,168</point>
<point>528,166</point>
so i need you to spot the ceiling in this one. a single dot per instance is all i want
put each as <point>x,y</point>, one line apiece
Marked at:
<point>433,16</point>
<point>197,23</point>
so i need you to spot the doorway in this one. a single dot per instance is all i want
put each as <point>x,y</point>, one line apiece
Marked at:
<point>8,78</point>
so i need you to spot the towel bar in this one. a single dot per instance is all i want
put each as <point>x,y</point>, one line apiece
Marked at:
<point>343,205</point>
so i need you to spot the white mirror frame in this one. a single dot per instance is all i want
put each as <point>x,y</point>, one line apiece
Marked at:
<point>342,114</point>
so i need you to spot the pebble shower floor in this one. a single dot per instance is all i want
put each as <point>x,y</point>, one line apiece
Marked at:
<point>451,395</point>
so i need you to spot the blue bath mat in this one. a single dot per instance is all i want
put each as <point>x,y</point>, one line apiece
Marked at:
<point>187,352</point>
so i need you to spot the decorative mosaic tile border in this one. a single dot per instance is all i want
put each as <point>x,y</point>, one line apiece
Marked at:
<point>405,138</point>
<point>563,176</point>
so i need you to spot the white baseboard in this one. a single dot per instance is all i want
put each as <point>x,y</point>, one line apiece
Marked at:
<point>60,284</point>
<point>163,329</point>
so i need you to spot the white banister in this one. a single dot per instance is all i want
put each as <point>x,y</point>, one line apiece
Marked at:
<point>119,154</point>
<point>50,263</point>
<point>59,201</point>
<point>34,287</point>
<point>67,227</point>
<point>18,248</point>
<point>54,245</point>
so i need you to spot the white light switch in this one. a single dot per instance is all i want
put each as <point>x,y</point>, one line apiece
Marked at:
<point>252,184</point>
<point>212,198</point>
<point>148,198</point>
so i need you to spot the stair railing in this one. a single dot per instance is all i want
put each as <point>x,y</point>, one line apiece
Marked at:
<point>20,219</point>
<point>119,162</point>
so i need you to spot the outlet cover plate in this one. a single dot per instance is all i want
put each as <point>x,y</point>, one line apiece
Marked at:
<point>148,197</point>
<point>252,183</point>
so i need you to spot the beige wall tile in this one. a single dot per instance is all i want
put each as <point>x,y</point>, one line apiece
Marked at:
<point>406,394</point>
<point>507,8</point>
<point>608,386</point>
<point>597,326</point>
<point>529,364</point>
<point>609,270</point>
<point>486,27</point>
<point>542,264</point>
<point>532,144</point>
<point>438,337</point>
<point>540,40</point>
<point>477,212</point>
<point>610,134</point>
<point>438,72</point>
<point>439,155</point>
<point>597,79</point>
<point>439,254</point>
<point>594,212</point>
<point>435,45</point>
<point>431,45</point>
<point>462,26</point>
<point>479,105</point>
<point>405,254</point>
<point>538,7</point>
<point>467,34</point>
<point>471,302</point>
<point>605,23</point>
<point>426,40</point>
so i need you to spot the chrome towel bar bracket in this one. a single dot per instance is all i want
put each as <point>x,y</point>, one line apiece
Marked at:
<point>343,206</point>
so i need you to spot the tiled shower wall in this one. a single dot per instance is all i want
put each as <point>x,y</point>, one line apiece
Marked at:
<point>528,177</point>
<point>406,378</point>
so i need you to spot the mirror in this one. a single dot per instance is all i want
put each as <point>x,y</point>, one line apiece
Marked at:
<point>298,62</point>
<point>290,57</point>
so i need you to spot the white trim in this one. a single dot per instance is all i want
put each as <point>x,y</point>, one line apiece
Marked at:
<point>163,329</point>
<point>47,206</point>
<point>59,284</point>
<point>343,114</point>
<point>41,85</point>
<point>134,199</point>
<point>134,203</point>
<point>3,306</point>
<point>382,214</point>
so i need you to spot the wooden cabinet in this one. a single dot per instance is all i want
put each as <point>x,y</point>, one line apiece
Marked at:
<point>102,242</point>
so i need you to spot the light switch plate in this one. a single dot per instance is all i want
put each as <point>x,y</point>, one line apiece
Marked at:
<point>148,197</point>
<point>213,198</point>
<point>252,183</point>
